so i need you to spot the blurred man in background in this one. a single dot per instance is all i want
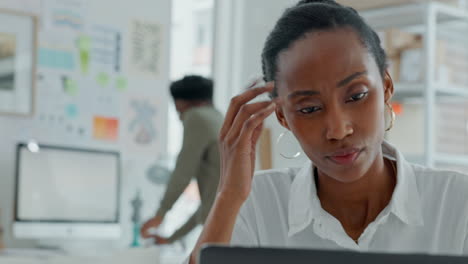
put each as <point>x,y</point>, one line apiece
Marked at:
<point>198,158</point>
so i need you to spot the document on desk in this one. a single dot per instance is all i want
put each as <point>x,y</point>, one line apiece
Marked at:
<point>21,260</point>
<point>127,256</point>
<point>25,256</point>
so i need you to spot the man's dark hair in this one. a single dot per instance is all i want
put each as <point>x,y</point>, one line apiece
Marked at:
<point>192,88</point>
<point>312,16</point>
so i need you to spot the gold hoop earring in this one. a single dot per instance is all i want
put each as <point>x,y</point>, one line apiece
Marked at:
<point>278,141</point>
<point>392,115</point>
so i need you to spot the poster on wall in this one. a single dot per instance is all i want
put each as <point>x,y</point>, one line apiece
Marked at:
<point>17,63</point>
<point>105,128</point>
<point>57,53</point>
<point>67,15</point>
<point>141,128</point>
<point>145,48</point>
<point>29,6</point>
<point>106,48</point>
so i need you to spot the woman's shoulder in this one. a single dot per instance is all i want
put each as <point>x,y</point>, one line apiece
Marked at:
<point>276,175</point>
<point>273,181</point>
<point>439,174</point>
<point>270,193</point>
<point>441,180</point>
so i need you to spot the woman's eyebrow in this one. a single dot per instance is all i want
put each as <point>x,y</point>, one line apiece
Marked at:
<point>302,93</point>
<point>340,84</point>
<point>348,79</point>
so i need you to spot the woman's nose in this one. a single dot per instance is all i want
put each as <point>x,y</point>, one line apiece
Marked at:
<point>338,125</point>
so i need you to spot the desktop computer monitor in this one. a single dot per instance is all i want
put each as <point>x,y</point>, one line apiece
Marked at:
<point>233,255</point>
<point>66,193</point>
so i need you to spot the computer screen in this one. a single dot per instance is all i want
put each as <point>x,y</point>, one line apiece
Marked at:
<point>66,185</point>
<point>213,254</point>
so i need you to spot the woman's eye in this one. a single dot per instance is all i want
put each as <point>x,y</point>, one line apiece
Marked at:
<point>309,110</point>
<point>357,97</point>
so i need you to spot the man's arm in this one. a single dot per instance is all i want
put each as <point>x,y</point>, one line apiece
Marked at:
<point>186,228</point>
<point>188,161</point>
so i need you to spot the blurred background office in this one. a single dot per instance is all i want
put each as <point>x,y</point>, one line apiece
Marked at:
<point>86,84</point>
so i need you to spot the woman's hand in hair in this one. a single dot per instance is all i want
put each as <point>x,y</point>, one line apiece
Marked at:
<point>239,135</point>
<point>238,138</point>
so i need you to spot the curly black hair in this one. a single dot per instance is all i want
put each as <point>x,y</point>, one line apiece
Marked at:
<point>192,88</point>
<point>316,15</point>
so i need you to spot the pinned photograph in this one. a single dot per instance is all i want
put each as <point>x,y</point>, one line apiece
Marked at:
<point>17,62</point>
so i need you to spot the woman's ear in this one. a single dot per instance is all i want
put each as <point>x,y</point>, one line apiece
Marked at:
<point>281,118</point>
<point>388,86</point>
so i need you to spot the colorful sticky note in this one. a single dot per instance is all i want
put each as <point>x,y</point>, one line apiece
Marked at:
<point>71,110</point>
<point>105,128</point>
<point>68,18</point>
<point>56,59</point>
<point>70,86</point>
<point>121,84</point>
<point>84,48</point>
<point>102,79</point>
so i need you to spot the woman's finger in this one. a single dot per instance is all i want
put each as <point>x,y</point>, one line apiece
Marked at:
<point>252,124</point>
<point>244,113</point>
<point>236,104</point>
<point>257,133</point>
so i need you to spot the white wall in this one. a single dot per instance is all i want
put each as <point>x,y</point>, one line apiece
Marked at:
<point>116,14</point>
<point>241,30</point>
<point>183,52</point>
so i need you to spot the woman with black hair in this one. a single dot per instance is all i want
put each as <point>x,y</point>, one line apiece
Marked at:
<point>327,74</point>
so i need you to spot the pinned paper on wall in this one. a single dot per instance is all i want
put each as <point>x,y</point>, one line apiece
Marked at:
<point>75,130</point>
<point>121,83</point>
<point>67,18</point>
<point>64,14</point>
<point>146,45</point>
<point>56,59</point>
<point>102,79</point>
<point>71,110</point>
<point>141,124</point>
<point>84,50</point>
<point>106,48</point>
<point>105,128</point>
<point>28,6</point>
<point>81,131</point>
<point>70,87</point>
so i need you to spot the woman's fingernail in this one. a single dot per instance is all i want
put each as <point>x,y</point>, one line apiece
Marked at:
<point>255,77</point>
<point>253,82</point>
<point>270,84</point>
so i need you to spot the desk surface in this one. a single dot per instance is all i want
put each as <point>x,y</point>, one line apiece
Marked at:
<point>149,255</point>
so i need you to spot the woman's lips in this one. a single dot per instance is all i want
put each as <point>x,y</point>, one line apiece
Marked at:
<point>345,157</point>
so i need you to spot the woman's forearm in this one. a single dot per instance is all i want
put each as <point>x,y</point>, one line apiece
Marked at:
<point>219,224</point>
<point>238,138</point>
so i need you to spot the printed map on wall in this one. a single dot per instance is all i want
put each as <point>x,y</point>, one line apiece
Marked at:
<point>145,51</point>
<point>141,130</point>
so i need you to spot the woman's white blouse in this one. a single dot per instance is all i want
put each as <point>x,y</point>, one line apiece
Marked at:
<point>428,213</point>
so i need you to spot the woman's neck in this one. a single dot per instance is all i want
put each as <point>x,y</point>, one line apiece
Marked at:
<point>358,203</point>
